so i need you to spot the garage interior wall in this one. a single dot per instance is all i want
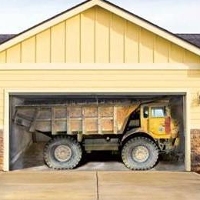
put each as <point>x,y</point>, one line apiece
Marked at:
<point>19,138</point>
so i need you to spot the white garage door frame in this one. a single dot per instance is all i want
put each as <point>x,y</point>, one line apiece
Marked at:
<point>186,93</point>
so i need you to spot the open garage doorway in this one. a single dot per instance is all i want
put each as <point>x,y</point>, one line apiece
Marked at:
<point>26,147</point>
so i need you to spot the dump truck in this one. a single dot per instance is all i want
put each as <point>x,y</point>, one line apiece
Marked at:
<point>139,131</point>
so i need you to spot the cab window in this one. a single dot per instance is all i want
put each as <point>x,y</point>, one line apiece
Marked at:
<point>158,112</point>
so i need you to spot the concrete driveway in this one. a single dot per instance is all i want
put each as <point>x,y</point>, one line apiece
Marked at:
<point>101,185</point>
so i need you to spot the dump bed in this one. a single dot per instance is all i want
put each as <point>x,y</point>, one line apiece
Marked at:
<point>74,118</point>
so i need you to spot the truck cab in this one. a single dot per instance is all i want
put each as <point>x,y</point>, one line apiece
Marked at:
<point>154,120</point>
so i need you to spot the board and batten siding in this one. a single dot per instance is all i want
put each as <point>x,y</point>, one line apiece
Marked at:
<point>103,79</point>
<point>96,36</point>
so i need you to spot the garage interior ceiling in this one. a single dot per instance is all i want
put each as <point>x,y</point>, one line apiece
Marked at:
<point>92,97</point>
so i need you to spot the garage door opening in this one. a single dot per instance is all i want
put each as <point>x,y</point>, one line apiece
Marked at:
<point>35,124</point>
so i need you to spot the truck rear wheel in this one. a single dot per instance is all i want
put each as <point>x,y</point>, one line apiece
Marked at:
<point>140,153</point>
<point>62,153</point>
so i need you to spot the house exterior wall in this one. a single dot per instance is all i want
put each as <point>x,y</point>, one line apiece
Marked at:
<point>98,36</point>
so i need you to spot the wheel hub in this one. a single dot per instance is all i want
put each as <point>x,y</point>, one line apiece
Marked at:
<point>62,153</point>
<point>140,154</point>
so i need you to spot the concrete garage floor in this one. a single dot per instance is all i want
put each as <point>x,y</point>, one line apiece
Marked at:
<point>32,159</point>
<point>101,185</point>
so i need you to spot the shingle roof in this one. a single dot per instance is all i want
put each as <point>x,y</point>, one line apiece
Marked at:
<point>5,37</point>
<point>192,38</point>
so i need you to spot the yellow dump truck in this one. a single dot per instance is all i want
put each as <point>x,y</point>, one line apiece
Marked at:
<point>138,132</point>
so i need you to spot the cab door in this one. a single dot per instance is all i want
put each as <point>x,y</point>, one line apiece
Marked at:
<point>159,122</point>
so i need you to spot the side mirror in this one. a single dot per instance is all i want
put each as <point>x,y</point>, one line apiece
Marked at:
<point>146,112</point>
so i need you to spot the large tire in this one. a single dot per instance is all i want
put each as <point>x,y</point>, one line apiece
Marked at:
<point>62,153</point>
<point>140,153</point>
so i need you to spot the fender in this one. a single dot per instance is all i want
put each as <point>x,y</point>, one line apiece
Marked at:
<point>136,132</point>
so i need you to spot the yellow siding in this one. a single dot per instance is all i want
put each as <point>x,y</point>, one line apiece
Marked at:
<point>195,107</point>
<point>117,30</point>
<point>176,54</point>
<point>14,54</point>
<point>72,44</point>
<point>102,39</point>
<point>146,47</point>
<point>3,57</point>
<point>191,58</point>
<point>97,36</point>
<point>58,43</point>
<point>43,50</point>
<point>161,50</point>
<point>28,50</point>
<point>1,107</point>
<point>87,36</point>
<point>131,43</point>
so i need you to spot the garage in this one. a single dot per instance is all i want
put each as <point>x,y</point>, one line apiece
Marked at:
<point>97,52</point>
<point>27,145</point>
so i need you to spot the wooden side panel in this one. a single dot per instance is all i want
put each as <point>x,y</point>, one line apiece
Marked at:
<point>99,79</point>
<point>102,38</point>
<point>28,50</point>
<point>43,50</point>
<point>176,54</point>
<point>195,108</point>
<point>73,39</point>
<point>1,117</point>
<point>161,50</point>
<point>117,30</point>
<point>146,46</point>
<point>131,43</point>
<point>1,107</point>
<point>14,54</point>
<point>58,43</point>
<point>97,36</point>
<point>87,36</point>
<point>191,58</point>
<point>3,57</point>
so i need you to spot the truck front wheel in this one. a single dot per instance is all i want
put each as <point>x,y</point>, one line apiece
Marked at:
<point>62,153</point>
<point>140,153</point>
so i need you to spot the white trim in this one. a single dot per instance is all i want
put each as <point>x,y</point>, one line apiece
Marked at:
<point>6,132</point>
<point>98,66</point>
<point>147,91</point>
<point>97,90</point>
<point>187,132</point>
<point>144,24</point>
